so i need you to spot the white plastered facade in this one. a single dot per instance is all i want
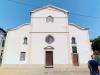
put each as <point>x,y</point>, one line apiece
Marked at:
<point>36,32</point>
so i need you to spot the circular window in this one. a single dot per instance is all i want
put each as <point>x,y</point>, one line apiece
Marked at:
<point>49,19</point>
<point>49,39</point>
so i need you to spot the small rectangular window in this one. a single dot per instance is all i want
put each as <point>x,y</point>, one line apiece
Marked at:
<point>73,40</point>
<point>74,49</point>
<point>22,56</point>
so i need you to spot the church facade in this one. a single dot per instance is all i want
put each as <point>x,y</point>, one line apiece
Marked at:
<point>47,40</point>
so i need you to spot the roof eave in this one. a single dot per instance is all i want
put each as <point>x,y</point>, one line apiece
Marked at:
<point>79,27</point>
<point>18,27</point>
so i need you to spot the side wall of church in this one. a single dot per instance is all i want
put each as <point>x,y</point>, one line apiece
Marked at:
<point>15,44</point>
<point>82,43</point>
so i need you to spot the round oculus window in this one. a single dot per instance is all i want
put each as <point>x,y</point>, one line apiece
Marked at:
<point>49,39</point>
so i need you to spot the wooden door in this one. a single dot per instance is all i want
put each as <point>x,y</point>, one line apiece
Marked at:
<point>75,59</point>
<point>49,59</point>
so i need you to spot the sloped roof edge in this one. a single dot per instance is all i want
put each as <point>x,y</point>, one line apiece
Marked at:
<point>52,6</point>
<point>18,27</point>
<point>79,27</point>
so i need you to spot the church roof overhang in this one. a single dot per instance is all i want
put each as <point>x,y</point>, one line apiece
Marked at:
<point>18,27</point>
<point>51,6</point>
<point>79,27</point>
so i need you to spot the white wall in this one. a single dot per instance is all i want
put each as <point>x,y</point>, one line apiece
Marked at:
<point>83,44</point>
<point>14,45</point>
<point>38,21</point>
<point>35,53</point>
<point>39,24</point>
<point>60,52</point>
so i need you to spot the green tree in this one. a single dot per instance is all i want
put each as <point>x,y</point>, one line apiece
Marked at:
<point>96,44</point>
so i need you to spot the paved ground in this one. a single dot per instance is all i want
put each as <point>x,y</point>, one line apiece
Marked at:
<point>42,71</point>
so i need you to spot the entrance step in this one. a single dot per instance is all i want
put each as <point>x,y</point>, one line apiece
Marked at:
<point>40,70</point>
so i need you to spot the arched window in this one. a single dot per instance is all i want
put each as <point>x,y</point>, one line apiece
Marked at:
<point>49,19</point>
<point>74,49</point>
<point>49,39</point>
<point>73,40</point>
<point>25,40</point>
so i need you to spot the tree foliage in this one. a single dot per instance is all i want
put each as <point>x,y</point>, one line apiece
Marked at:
<point>96,44</point>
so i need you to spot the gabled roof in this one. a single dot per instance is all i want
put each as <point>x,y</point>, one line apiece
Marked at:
<point>77,26</point>
<point>50,6</point>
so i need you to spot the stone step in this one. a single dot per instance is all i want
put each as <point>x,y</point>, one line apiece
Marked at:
<point>40,70</point>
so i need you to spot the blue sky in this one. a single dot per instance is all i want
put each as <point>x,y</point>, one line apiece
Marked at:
<point>85,13</point>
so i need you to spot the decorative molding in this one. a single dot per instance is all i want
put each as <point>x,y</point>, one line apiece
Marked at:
<point>49,47</point>
<point>49,32</point>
